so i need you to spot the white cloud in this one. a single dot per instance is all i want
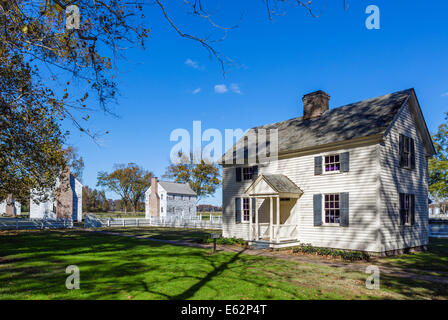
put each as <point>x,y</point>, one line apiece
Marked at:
<point>192,63</point>
<point>445,94</point>
<point>197,90</point>
<point>235,88</point>
<point>221,88</point>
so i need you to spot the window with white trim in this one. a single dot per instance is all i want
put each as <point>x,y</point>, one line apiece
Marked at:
<point>406,151</point>
<point>246,209</point>
<point>247,173</point>
<point>407,209</point>
<point>332,163</point>
<point>332,208</point>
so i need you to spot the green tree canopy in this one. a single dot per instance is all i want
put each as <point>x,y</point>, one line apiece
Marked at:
<point>438,165</point>
<point>94,200</point>
<point>203,177</point>
<point>128,181</point>
<point>47,73</point>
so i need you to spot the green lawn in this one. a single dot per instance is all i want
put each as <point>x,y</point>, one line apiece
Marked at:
<point>434,261</point>
<point>32,266</point>
<point>206,215</point>
<point>165,233</point>
<point>117,214</point>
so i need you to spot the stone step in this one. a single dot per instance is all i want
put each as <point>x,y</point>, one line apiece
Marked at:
<point>260,245</point>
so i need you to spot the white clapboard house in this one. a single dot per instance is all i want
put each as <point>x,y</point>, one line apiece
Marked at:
<point>63,202</point>
<point>170,199</point>
<point>353,177</point>
<point>16,207</point>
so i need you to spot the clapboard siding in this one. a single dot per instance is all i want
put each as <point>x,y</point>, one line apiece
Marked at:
<point>230,190</point>
<point>395,180</point>
<point>360,182</point>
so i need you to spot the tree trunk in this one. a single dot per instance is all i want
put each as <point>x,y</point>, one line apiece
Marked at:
<point>134,208</point>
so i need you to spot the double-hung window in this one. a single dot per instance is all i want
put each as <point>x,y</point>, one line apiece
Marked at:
<point>332,208</point>
<point>332,163</point>
<point>407,152</point>
<point>246,173</point>
<point>246,208</point>
<point>242,209</point>
<point>407,209</point>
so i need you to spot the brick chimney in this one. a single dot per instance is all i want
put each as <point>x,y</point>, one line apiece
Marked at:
<point>64,196</point>
<point>154,200</point>
<point>315,104</point>
<point>10,208</point>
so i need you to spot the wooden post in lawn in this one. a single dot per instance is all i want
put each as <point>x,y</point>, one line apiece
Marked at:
<point>214,237</point>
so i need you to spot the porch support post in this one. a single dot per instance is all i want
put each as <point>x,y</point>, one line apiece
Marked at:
<point>278,219</point>
<point>250,220</point>
<point>271,219</point>
<point>257,232</point>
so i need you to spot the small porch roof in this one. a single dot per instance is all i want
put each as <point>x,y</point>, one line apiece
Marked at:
<point>273,185</point>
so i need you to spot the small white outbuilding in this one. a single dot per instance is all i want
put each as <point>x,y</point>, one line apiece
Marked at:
<point>66,204</point>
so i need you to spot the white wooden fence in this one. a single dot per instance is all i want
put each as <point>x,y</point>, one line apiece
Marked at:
<point>92,221</point>
<point>23,224</point>
<point>439,216</point>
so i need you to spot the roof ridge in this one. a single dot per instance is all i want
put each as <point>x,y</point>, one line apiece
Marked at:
<point>362,119</point>
<point>333,109</point>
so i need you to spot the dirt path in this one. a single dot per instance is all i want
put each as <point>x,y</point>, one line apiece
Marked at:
<point>349,266</point>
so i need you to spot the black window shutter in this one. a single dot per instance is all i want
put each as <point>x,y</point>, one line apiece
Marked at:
<point>402,209</point>
<point>317,208</point>
<point>238,174</point>
<point>254,172</point>
<point>344,158</point>
<point>317,166</point>
<point>412,209</point>
<point>237,210</point>
<point>412,154</point>
<point>254,203</point>
<point>401,150</point>
<point>344,209</point>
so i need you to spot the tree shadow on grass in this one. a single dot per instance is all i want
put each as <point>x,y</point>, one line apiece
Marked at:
<point>165,233</point>
<point>435,259</point>
<point>114,267</point>
<point>415,289</point>
<point>217,270</point>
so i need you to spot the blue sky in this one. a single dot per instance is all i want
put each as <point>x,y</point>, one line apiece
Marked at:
<point>172,83</point>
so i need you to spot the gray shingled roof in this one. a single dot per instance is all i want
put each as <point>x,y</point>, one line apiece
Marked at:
<point>281,183</point>
<point>361,119</point>
<point>177,188</point>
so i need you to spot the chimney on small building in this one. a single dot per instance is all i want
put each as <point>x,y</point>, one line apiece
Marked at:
<point>154,200</point>
<point>315,104</point>
<point>64,196</point>
<point>10,206</point>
